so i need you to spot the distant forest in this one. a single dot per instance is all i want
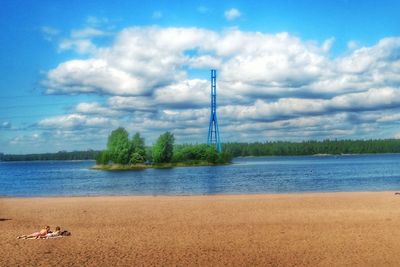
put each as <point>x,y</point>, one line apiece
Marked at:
<point>61,155</point>
<point>335,147</point>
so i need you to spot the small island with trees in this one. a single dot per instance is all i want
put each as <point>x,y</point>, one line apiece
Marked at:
<point>124,153</point>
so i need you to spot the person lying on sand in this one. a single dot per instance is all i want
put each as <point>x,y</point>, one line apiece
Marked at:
<point>41,233</point>
<point>56,233</point>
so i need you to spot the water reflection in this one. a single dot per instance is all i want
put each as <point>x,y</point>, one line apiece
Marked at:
<point>210,181</point>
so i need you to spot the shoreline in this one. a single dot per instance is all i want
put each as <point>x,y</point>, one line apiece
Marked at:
<point>238,157</point>
<point>140,167</point>
<point>313,229</point>
<point>202,195</point>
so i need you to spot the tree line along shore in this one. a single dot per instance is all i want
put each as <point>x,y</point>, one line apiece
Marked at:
<point>190,152</point>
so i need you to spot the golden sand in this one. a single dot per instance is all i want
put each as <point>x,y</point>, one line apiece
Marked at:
<point>332,229</point>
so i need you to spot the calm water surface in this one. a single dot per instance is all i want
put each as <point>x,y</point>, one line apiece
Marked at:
<point>245,176</point>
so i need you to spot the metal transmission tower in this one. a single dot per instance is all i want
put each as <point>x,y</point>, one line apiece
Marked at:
<point>213,131</point>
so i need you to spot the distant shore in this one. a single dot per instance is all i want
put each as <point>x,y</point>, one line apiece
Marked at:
<point>328,229</point>
<point>272,148</point>
<point>121,167</point>
<point>21,159</point>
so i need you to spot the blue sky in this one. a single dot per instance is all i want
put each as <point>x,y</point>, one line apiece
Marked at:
<point>71,71</point>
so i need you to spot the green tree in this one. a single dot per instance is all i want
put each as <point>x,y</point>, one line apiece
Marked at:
<point>212,154</point>
<point>118,146</point>
<point>136,158</point>
<point>103,158</point>
<point>163,149</point>
<point>138,149</point>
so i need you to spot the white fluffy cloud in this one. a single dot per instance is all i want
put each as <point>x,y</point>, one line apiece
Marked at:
<point>373,99</point>
<point>186,94</point>
<point>143,60</point>
<point>94,108</point>
<point>269,85</point>
<point>93,75</point>
<point>131,103</point>
<point>232,14</point>
<point>80,40</point>
<point>82,46</point>
<point>73,121</point>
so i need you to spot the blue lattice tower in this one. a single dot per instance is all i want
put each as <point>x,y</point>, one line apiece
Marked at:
<point>213,131</point>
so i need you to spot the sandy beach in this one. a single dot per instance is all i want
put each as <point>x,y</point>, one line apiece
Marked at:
<point>327,229</point>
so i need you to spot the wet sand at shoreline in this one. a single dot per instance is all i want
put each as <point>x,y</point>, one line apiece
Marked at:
<point>322,229</point>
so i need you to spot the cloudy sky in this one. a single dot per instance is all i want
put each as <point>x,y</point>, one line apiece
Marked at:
<point>72,71</point>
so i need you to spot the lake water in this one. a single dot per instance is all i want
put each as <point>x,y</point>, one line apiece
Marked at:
<point>245,176</point>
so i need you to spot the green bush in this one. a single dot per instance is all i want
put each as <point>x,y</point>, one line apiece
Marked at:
<point>103,158</point>
<point>136,158</point>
